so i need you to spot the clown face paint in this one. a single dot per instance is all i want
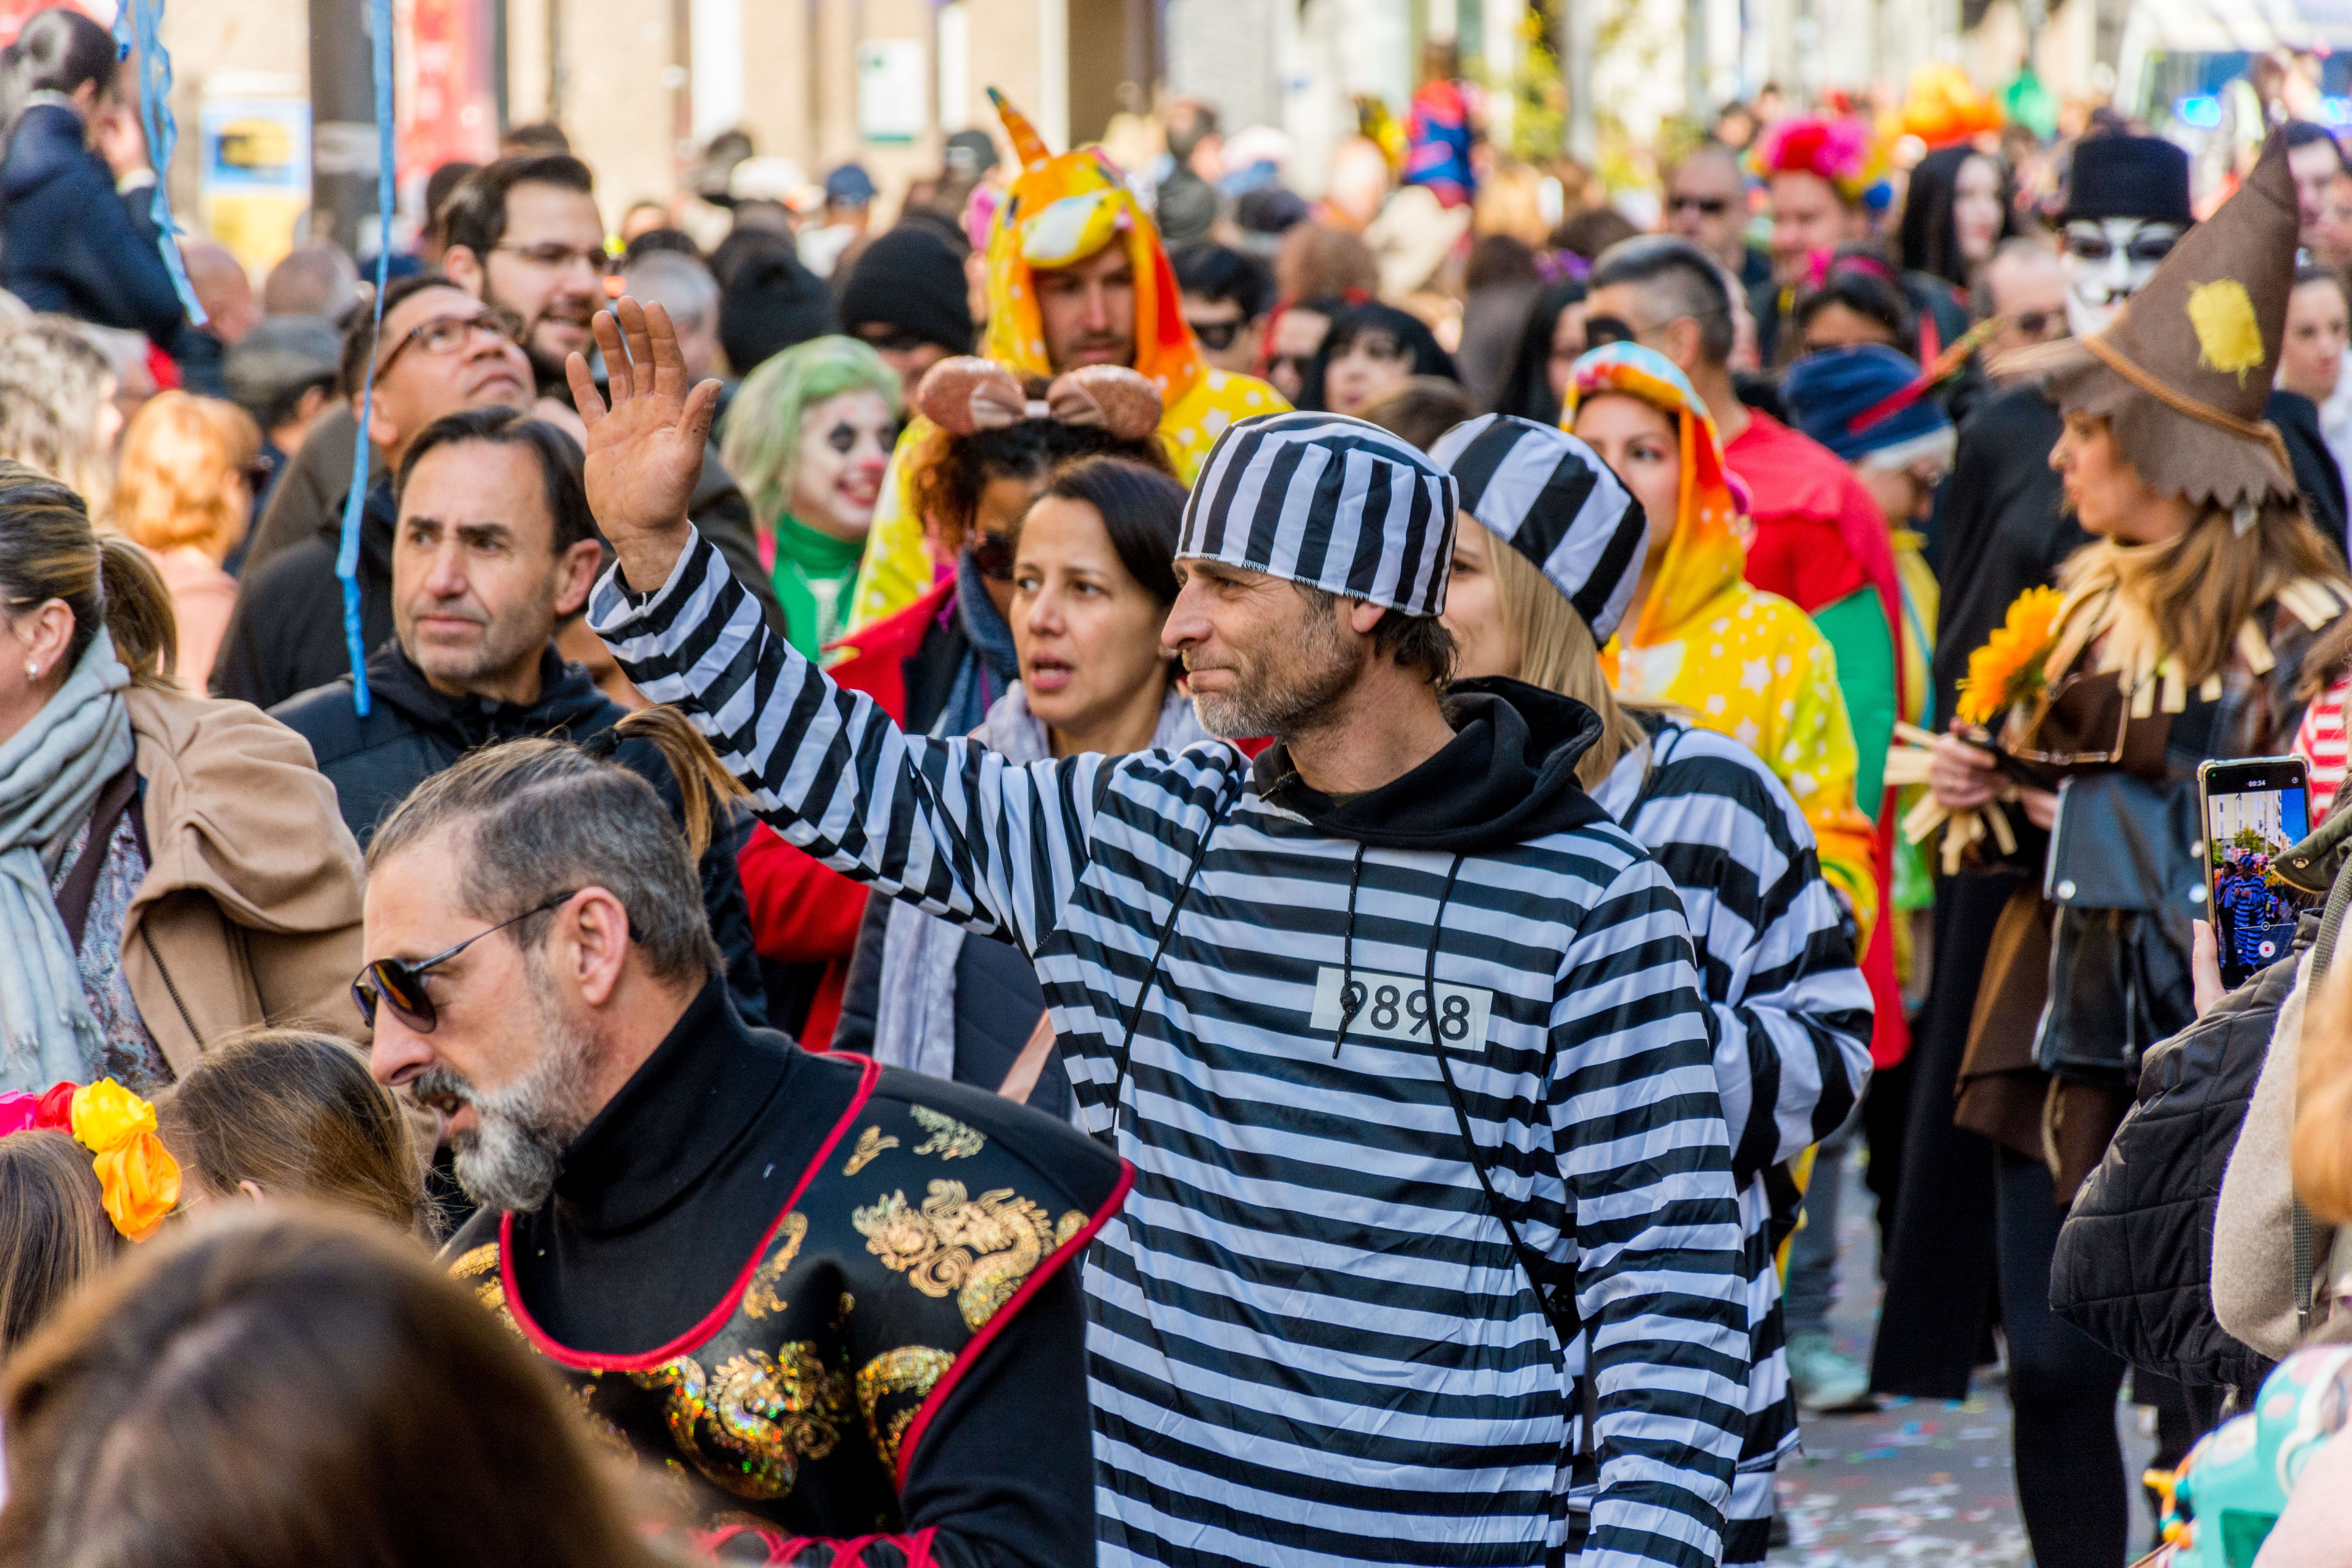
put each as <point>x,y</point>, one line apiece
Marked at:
<point>2108,260</point>
<point>844,443</point>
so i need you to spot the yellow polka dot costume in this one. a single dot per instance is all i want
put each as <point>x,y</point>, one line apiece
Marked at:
<point>1059,211</point>
<point>1743,662</point>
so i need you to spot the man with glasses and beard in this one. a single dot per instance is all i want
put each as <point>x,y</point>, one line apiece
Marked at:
<point>523,236</point>
<point>835,1302</point>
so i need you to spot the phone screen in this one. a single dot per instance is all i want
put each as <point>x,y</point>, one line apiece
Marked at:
<point>2252,815</point>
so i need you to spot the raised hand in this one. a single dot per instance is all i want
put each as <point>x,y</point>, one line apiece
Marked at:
<point>644,451</point>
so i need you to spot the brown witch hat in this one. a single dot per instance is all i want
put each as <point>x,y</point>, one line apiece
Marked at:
<point>2185,372</point>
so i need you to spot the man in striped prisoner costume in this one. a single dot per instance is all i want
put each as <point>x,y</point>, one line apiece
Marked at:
<point>1367,1293</point>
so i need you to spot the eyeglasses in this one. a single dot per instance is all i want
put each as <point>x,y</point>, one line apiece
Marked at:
<point>1216,336</point>
<point>992,554</point>
<point>1706,206</point>
<point>1296,364</point>
<point>400,985</point>
<point>557,258</point>
<point>447,335</point>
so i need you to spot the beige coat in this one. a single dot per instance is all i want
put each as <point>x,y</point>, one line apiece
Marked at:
<point>250,911</point>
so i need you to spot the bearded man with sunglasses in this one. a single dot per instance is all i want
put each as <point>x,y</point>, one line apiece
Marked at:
<point>820,1301</point>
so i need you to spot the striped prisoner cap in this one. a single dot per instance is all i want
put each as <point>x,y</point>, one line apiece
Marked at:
<point>1558,504</point>
<point>1329,502</point>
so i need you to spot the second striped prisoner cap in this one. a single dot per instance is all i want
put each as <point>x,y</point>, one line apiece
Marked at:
<point>1329,502</point>
<point>1553,499</point>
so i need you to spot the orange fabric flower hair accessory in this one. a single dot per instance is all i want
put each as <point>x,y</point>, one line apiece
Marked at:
<point>137,1176</point>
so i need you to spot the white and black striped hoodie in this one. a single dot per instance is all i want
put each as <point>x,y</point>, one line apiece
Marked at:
<point>1312,1341</point>
<point>1791,1016</point>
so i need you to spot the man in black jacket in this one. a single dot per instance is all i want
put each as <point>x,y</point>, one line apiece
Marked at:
<point>489,552</point>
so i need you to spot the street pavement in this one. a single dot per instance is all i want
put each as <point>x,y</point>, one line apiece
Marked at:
<point>1920,1482</point>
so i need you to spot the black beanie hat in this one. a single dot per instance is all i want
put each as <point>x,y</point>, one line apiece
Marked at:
<point>770,302</point>
<point>910,279</point>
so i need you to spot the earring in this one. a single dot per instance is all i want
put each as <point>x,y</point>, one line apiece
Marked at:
<point>32,670</point>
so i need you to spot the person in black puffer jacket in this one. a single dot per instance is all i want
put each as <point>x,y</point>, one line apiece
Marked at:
<point>2134,1258</point>
<point>78,239</point>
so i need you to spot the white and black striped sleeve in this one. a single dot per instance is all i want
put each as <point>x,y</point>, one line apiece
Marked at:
<point>1792,1013</point>
<point>1658,1282</point>
<point>947,825</point>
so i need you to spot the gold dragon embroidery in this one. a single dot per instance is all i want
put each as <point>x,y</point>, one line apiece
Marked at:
<point>949,1138</point>
<point>980,1249</point>
<point>870,1144</point>
<point>910,1369</point>
<point>760,1297</point>
<point>747,1425</point>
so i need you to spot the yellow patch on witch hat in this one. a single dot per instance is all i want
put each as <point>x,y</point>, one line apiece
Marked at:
<point>2229,338</point>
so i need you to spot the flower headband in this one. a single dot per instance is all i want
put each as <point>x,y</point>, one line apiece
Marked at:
<point>140,1179</point>
<point>968,392</point>
<point>1839,148</point>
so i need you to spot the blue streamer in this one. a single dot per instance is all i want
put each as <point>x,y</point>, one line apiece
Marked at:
<point>347,556</point>
<point>139,26</point>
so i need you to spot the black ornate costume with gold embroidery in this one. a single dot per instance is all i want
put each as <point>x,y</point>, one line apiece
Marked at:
<point>878,1326</point>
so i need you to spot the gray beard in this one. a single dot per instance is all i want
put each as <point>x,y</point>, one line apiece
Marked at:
<point>509,1159</point>
<point>1292,699</point>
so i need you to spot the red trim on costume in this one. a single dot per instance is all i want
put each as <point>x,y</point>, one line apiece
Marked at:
<point>716,1319</point>
<point>1004,1315</point>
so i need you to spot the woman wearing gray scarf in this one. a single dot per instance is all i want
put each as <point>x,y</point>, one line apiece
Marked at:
<point>1092,586</point>
<point>172,868</point>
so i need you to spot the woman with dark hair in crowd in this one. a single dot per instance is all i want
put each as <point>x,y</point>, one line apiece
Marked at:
<point>283,1389</point>
<point>172,868</point>
<point>1371,349</point>
<point>1549,345</point>
<point>1092,586</point>
<point>55,1235</point>
<point>291,1113</point>
<point>68,243</point>
<point>1858,300</point>
<point>937,666</point>
<point>1960,204</point>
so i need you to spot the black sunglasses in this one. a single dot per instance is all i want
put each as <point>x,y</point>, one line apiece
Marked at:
<point>1600,332</point>
<point>992,554</point>
<point>2037,323</point>
<point>1296,364</point>
<point>400,985</point>
<point>1217,335</point>
<point>1709,206</point>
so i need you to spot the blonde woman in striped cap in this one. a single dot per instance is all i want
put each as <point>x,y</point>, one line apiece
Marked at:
<point>1537,586</point>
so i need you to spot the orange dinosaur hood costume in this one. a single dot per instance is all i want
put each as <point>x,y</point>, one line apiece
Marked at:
<point>1060,209</point>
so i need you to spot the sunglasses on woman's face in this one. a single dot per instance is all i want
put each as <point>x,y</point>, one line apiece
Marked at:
<point>992,553</point>
<point>399,985</point>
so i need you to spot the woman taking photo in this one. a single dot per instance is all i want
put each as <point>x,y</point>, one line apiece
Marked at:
<point>2184,627</point>
<point>807,436</point>
<point>172,870</point>
<point>1792,1013</point>
<point>1092,586</point>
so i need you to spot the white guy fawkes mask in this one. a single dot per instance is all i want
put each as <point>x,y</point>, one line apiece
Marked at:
<point>2108,260</point>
